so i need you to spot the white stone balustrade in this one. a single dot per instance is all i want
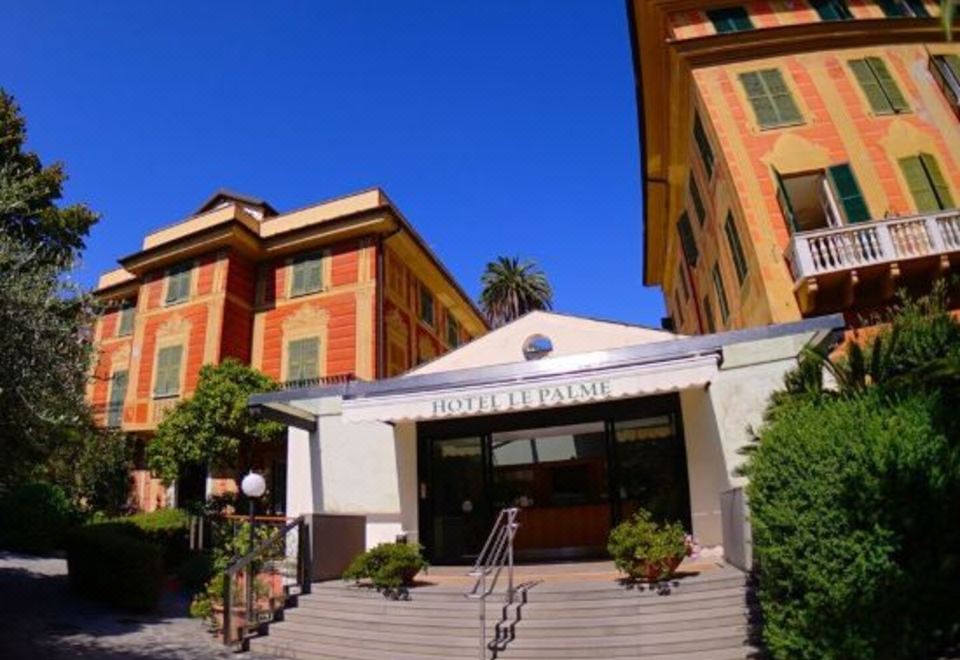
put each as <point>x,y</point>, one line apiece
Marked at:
<point>823,251</point>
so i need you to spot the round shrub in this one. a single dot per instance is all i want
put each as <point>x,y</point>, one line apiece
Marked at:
<point>113,563</point>
<point>34,518</point>
<point>645,550</point>
<point>388,565</point>
<point>854,503</point>
<point>167,528</point>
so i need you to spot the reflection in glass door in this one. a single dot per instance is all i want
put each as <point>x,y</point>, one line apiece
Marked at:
<point>459,506</point>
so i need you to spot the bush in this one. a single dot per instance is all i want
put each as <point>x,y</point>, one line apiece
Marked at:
<point>645,550</point>
<point>34,518</point>
<point>388,565</point>
<point>854,504</point>
<point>113,563</point>
<point>167,528</point>
<point>195,571</point>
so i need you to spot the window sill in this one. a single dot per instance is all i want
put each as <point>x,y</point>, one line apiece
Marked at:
<point>776,127</point>
<point>164,397</point>
<point>174,303</point>
<point>302,294</point>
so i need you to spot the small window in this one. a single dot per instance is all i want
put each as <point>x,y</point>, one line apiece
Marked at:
<point>303,363</point>
<point>307,275</point>
<point>879,86</point>
<point>904,8</point>
<point>426,306</point>
<point>721,292</point>
<point>832,10</point>
<point>687,242</point>
<point>929,189</point>
<point>118,393</point>
<point>168,371</point>
<point>453,331</point>
<point>698,206</point>
<point>708,313</point>
<point>703,145</point>
<point>946,71</point>
<point>729,19</point>
<point>178,284</point>
<point>683,283</point>
<point>770,97</point>
<point>125,324</point>
<point>736,248</point>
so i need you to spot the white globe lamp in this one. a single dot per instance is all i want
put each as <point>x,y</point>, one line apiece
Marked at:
<point>253,485</point>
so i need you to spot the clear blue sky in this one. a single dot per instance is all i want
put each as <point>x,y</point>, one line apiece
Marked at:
<point>498,127</point>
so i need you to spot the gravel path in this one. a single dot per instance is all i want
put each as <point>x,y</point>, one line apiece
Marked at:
<point>41,618</point>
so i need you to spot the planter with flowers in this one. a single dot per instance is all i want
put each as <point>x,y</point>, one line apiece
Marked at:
<point>646,550</point>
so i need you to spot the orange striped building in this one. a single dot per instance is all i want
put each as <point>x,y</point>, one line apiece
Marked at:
<point>799,157</point>
<point>344,289</point>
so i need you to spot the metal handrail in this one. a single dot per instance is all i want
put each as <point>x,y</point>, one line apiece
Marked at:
<point>246,562</point>
<point>496,554</point>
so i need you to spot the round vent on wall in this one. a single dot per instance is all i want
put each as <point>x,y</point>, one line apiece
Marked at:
<point>536,347</point>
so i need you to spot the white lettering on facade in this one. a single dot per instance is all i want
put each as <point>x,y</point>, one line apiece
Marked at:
<point>506,401</point>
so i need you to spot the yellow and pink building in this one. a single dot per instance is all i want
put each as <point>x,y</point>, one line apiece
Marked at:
<point>341,290</point>
<point>799,157</point>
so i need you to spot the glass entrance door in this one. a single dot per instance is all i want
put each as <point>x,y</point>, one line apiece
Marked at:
<point>460,510</point>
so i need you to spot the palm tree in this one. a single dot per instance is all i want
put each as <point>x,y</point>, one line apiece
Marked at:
<point>511,289</point>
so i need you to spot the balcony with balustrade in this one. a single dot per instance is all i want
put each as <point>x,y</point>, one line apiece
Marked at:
<point>860,266</point>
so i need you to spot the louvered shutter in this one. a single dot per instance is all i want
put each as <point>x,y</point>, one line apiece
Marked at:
<point>168,370</point>
<point>687,242</point>
<point>940,186</point>
<point>920,187</point>
<point>953,61</point>
<point>763,106</point>
<point>309,359</point>
<point>845,186</point>
<point>781,97</point>
<point>871,87</point>
<point>786,207</point>
<point>892,8</point>
<point>314,274</point>
<point>895,98</point>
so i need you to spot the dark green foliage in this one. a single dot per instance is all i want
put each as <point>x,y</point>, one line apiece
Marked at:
<point>855,494</point>
<point>34,518</point>
<point>166,528</point>
<point>212,426</point>
<point>512,288</point>
<point>195,571</point>
<point>388,565</point>
<point>644,549</point>
<point>113,563</point>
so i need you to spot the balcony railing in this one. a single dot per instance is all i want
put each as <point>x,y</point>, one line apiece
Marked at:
<point>825,251</point>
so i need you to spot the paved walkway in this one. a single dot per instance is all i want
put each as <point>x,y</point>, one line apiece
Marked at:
<point>41,618</point>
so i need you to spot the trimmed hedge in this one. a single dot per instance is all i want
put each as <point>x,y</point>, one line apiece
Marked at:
<point>854,506</point>
<point>167,528</point>
<point>115,564</point>
<point>34,518</point>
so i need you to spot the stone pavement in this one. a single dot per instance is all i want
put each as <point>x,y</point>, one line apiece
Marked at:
<point>40,618</point>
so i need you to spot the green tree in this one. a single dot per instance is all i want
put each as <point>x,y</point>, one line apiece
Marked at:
<point>29,192</point>
<point>512,288</point>
<point>854,493</point>
<point>214,425</point>
<point>44,315</point>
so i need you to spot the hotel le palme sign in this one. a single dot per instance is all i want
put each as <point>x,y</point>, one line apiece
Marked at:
<point>570,389</point>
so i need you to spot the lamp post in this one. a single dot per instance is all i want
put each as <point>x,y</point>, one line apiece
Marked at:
<point>253,486</point>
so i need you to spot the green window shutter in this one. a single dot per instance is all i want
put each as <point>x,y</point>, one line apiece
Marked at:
<point>697,201</point>
<point>426,306</point>
<point>736,248</point>
<point>920,186</point>
<point>892,8</point>
<point>303,359</point>
<point>953,62</point>
<point>917,8</point>
<point>168,371</point>
<point>763,107</point>
<point>721,292</point>
<point>703,145</point>
<point>780,96</point>
<point>708,313</point>
<point>118,394</point>
<point>832,10</point>
<point>178,284</point>
<point>307,275</point>
<point>125,326</point>
<point>847,190</point>
<point>786,206</point>
<point>687,242</point>
<point>770,97</point>
<point>887,83</point>
<point>871,87</point>
<point>683,283</point>
<point>939,184</point>
<point>730,19</point>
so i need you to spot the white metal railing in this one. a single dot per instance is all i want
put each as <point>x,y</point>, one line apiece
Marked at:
<point>496,554</point>
<point>877,242</point>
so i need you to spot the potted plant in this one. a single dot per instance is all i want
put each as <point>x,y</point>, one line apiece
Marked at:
<point>646,550</point>
<point>388,566</point>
